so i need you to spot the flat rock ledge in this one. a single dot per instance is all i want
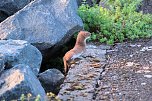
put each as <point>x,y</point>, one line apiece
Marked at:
<point>81,80</point>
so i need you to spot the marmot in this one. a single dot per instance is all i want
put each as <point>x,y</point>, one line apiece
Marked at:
<point>78,49</point>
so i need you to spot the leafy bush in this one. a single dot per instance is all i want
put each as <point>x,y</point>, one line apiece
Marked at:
<point>119,22</point>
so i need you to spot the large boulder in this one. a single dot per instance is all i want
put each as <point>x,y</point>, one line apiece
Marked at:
<point>9,7</point>
<point>15,52</point>
<point>51,80</point>
<point>20,80</point>
<point>43,23</point>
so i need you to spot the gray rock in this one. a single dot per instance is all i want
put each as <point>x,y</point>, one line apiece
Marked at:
<point>20,52</point>
<point>20,80</point>
<point>43,23</point>
<point>146,6</point>
<point>89,2</point>
<point>9,7</point>
<point>51,80</point>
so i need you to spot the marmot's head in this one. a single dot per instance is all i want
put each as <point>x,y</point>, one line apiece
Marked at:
<point>84,34</point>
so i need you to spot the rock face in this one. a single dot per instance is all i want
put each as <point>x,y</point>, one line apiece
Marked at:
<point>9,7</point>
<point>51,80</point>
<point>43,23</point>
<point>15,52</point>
<point>19,80</point>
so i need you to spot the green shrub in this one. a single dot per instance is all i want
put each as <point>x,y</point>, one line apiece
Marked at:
<point>116,24</point>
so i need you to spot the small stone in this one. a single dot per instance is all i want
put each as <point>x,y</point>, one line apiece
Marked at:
<point>148,76</point>
<point>147,71</point>
<point>84,94</point>
<point>150,62</point>
<point>131,55</point>
<point>120,93</point>
<point>150,47</point>
<point>143,83</point>
<point>104,97</point>
<point>146,48</point>
<point>107,93</point>
<point>66,92</point>
<point>145,67</point>
<point>104,87</point>
<point>143,49</point>
<point>132,45</point>
<point>143,71</point>
<point>129,64</point>
<point>111,50</point>
<point>103,73</point>
<point>138,45</point>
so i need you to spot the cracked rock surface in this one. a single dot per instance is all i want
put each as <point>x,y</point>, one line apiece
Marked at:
<point>81,79</point>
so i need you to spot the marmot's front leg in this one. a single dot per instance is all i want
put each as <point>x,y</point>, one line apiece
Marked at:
<point>66,65</point>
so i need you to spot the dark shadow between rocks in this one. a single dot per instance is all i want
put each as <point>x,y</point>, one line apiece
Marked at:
<point>3,15</point>
<point>54,59</point>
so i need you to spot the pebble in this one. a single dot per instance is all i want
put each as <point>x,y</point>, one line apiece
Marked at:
<point>148,76</point>
<point>143,83</point>
<point>129,64</point>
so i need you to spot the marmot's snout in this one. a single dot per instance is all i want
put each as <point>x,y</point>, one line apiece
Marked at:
<point>86,34</point>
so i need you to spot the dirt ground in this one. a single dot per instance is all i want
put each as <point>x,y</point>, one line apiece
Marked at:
<point>128,75</point>
<point>120,73</point>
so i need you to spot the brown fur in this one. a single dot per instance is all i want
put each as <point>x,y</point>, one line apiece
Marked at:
<point>77,50</point>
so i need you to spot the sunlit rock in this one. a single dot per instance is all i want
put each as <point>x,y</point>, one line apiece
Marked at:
<point>20,80</point>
